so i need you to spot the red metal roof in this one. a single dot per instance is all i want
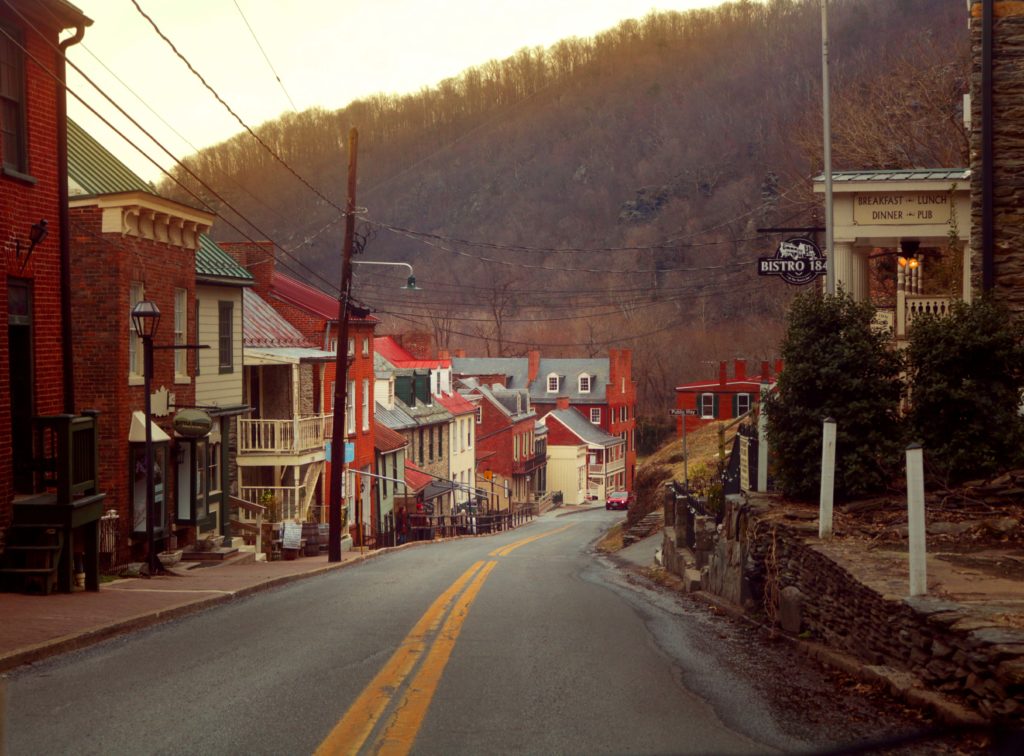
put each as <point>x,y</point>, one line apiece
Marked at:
<point>264,327</point>
<point>387,440</point>
<point>415,478</point>
<point>309,298</point>
<point>456,404</point>
<point>397,355</point>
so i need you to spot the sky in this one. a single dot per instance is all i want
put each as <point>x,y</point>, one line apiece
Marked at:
<point>325,53</point>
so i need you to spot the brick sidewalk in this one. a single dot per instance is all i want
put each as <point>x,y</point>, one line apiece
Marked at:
<point>35,627</point>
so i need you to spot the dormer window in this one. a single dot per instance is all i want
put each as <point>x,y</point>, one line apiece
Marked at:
<point>584,383</point>
<point>552,383</point>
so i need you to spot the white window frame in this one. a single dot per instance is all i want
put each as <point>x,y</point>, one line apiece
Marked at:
<point>709,412</point>
<point>552,383</point>
<point>740,399</point>
<point>366,405</point>
<point>584,383</point>
<point>479,414</point>
<point>366,347</point>
<point>136,293</point>
<point>595,415</point>
<point>350,409</point>
<point>180,335</point>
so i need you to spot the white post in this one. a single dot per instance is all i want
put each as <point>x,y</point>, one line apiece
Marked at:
<point>830,260</point>
<point>915,520</point>
<point>762,442</point>
<point>828,478</point>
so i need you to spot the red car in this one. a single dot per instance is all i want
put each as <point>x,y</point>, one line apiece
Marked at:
<point>618,500</point>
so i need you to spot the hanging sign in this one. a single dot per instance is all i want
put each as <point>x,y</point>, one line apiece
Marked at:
<point>797,261</point>
<point>192,423</point>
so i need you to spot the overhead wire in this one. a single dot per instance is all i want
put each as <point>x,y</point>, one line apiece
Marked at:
<point>265,56</point>
<point>235,115</point>
<point>201,200</point>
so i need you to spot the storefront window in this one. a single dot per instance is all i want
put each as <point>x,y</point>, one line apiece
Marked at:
<point>139,488</point>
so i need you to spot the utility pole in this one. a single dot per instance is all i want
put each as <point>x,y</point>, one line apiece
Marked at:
<point>341,362</point>
<point>830,258</point>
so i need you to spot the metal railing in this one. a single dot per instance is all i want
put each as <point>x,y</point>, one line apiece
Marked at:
<point>292,436</point>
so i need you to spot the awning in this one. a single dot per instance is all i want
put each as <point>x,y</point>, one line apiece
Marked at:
<point>137,431</point>
<point>256,355</point>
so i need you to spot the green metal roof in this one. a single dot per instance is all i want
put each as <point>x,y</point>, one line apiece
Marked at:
<point>907,174</point>
<point>93,170</point>
<point>214,262</point>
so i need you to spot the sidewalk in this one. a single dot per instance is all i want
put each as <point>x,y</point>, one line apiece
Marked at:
<point>36,627</point>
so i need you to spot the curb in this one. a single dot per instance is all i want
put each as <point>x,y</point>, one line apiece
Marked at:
<point>76,641</point>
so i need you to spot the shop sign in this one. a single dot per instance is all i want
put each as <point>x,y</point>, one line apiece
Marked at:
<point>905,209</point>
<point>797,261</point>
<point>192,423</point>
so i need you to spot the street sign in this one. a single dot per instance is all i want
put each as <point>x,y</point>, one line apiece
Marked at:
<point>682,412</point>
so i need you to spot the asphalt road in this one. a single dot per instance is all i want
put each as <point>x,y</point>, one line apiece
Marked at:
<point>524,642</point>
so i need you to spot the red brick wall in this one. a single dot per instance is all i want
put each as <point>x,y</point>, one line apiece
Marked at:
<point>105,266</point>
<point>360,369</point>
<point>621,393</point>
<point>22,204</point>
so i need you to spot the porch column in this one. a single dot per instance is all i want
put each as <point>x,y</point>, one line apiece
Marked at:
<point>901,301</point>
<point>859,286</point>
<point>843,256</point>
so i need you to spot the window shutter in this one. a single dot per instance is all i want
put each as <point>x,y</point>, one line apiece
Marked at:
<point>714,404</point>
<point>735,405</point>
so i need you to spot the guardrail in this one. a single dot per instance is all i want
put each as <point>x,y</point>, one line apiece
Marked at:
<point>289,436</point>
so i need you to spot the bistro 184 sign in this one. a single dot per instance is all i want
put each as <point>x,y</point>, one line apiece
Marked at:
<point>796,261</point>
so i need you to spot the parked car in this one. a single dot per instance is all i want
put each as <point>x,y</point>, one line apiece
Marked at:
<point>618,500</point>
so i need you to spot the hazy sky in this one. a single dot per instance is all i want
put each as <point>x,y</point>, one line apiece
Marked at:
<point>326,53</point>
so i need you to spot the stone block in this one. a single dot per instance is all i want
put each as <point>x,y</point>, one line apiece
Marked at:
<point>791,601</point>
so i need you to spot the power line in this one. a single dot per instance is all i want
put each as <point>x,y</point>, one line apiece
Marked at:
<point>265,56</point>
<point>117,131</point>
<point>238,118</point>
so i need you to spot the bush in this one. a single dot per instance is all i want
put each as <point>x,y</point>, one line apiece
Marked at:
<point>966,375</point>
<point>836,366</point>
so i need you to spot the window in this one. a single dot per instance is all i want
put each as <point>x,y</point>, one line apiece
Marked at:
<point>430,435</point>
<point>350,409</point>
<point>391,393</point>
<point>333,384</point>
<point>741,404</point>
<point>366,404</point>
<point>198,351</point>
<point>351,347</point>
<point>180,332</point>
<point>595,415</point>
<point>366,347</point>
<point>421,446</point>
<point>584,384</point>
<point>552,383</point>
<point>479,414</point>
<point>469,434</point>
<point>515,448</point>
<point>12,103</point>
<point>135,296</point>
<point>708,405</point>
<point>225,336</point>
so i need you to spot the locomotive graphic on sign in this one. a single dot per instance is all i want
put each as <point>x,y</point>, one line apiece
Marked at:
<point>797,261</point>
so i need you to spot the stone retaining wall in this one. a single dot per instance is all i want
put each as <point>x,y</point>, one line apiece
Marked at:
<point>813,595</point>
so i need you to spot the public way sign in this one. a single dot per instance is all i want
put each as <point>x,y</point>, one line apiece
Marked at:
<point>682,412</point>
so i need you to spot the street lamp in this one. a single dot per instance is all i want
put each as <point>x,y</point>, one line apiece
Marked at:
<point>146,319</point>
<point>410,284</point>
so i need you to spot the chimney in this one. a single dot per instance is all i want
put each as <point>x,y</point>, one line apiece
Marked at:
<point>444,354</point>
<point>534,365</point>
<point>722,374</point>
<point>562,402</point>
<point>460,353</point>
<point>418,343</point>
<point>741,370</point>
<point>257,258</point>
<point>778,368</point>
<point>765,371</point>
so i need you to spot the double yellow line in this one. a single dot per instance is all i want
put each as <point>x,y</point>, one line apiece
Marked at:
<point>398,733</point>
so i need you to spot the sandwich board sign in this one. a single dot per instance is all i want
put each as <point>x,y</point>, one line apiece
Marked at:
<point>796,261</point>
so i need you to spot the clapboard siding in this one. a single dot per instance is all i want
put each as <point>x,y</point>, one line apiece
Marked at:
<point>212,386</point>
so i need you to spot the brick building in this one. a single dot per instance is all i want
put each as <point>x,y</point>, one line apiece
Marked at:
<point>35,348</point>
<point>724,398</point>
<point>128,245</point>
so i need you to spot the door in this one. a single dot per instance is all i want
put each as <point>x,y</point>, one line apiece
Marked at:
<point>22,380</point>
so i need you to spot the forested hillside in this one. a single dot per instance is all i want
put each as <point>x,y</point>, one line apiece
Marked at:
<point>607,191</point>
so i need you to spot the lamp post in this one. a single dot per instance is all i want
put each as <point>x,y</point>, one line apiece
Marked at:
<point>146,318</point>
<point>410,282</point>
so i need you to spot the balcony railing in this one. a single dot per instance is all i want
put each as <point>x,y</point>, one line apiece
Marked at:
<point>289,498</point>
<point>293,436</point>
<point>921,305</point>
<point>528,465</point>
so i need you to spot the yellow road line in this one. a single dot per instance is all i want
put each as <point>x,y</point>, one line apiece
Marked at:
<point>355,727</point>
<point>506,550</point>
<point>400,732</point>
